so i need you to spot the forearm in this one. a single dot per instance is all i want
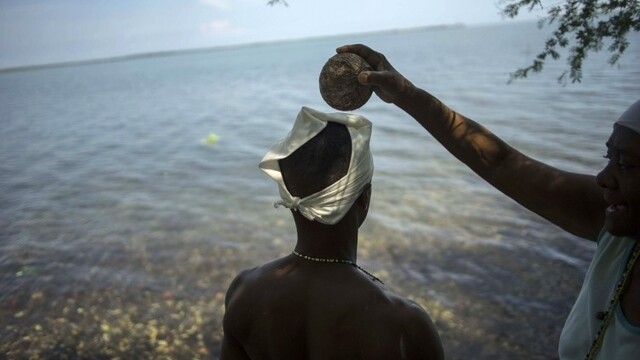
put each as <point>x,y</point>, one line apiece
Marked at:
<point>571,201</point>
<point>467,140</point>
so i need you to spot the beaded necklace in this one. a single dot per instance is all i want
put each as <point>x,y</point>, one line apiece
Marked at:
<point>339,261</point>
<point>608,315</point>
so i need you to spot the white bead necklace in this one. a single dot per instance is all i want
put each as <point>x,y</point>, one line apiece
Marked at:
<point>339,261</point>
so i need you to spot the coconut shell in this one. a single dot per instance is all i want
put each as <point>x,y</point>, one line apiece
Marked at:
<point>339,84</point>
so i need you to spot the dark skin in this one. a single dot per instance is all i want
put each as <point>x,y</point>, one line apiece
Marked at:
<point>580,204</point>
<point>620,180</point>
<point>293,308</point>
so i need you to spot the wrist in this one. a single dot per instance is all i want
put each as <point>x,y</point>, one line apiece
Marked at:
<point>422,105</point>
<point>409,95</point>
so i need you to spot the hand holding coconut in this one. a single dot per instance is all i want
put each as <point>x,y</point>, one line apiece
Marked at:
<point>386,81</point>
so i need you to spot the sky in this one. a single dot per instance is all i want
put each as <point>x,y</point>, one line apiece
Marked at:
<point>34,32</point>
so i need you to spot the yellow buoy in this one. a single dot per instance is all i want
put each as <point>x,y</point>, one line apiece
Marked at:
<point>211,139</point>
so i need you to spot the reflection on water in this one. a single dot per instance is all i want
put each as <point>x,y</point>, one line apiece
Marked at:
<point>120,230</point>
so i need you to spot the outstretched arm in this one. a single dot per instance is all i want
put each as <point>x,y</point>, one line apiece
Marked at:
<point>571,201</point>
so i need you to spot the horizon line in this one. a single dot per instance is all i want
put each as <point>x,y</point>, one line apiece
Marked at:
<point>174,52</point>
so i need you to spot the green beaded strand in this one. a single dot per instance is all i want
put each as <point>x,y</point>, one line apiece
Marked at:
<point>341,261</point>
<point>608,315</point>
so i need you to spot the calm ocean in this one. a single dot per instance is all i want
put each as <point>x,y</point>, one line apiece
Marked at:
<point>120,228</point>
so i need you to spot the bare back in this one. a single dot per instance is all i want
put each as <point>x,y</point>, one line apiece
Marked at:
<point>295,309</point>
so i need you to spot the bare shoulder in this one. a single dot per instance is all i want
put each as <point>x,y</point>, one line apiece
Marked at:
<point>406,328</point>
<point>234,322</point>
<point>237,284</point>
<point>419,337</point>
<point>251,284</point>
<point>238,297</point>
<point>252,280</point>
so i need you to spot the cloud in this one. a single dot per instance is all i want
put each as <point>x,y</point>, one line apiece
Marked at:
<point>220,28</point>
<point>218,4</point>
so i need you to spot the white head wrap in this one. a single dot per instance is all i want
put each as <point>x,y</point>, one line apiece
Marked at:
<point>330,205</point>
<point>631,117</point>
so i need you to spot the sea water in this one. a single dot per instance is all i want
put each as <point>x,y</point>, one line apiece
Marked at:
<point>121,226</point>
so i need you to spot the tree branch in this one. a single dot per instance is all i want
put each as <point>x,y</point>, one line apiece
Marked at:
<point>583,26</point>
<point>274,2</point>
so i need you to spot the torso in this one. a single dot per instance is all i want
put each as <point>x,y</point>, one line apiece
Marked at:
<point>295,309</point>
<point>621,337</point>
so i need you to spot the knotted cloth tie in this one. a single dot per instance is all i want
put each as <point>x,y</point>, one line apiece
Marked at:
<point>330,205</point>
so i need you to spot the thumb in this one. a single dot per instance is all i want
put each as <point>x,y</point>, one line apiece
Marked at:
<point>381,79</point>
<point>363,77</point>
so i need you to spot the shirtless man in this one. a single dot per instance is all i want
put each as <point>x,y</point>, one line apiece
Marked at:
<point>317,303</point>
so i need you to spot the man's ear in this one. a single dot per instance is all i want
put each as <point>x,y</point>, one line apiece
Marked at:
<point>362,204</point>
<point>365,197</point>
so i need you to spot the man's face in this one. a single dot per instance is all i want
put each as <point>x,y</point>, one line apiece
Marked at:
<point>620,180</point>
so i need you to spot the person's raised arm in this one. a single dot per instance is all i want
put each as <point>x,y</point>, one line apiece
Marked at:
<point>571,201</point>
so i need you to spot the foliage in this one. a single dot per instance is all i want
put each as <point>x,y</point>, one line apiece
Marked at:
<point>582,26</point>
<point>273,2</point>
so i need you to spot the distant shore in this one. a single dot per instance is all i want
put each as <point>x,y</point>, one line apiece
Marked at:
<point>209,49</point>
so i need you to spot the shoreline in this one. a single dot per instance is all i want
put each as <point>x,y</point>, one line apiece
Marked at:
<point>179,52</point>
<point>177,312</point>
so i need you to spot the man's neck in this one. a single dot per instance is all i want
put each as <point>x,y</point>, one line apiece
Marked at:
<point>339,241</point>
